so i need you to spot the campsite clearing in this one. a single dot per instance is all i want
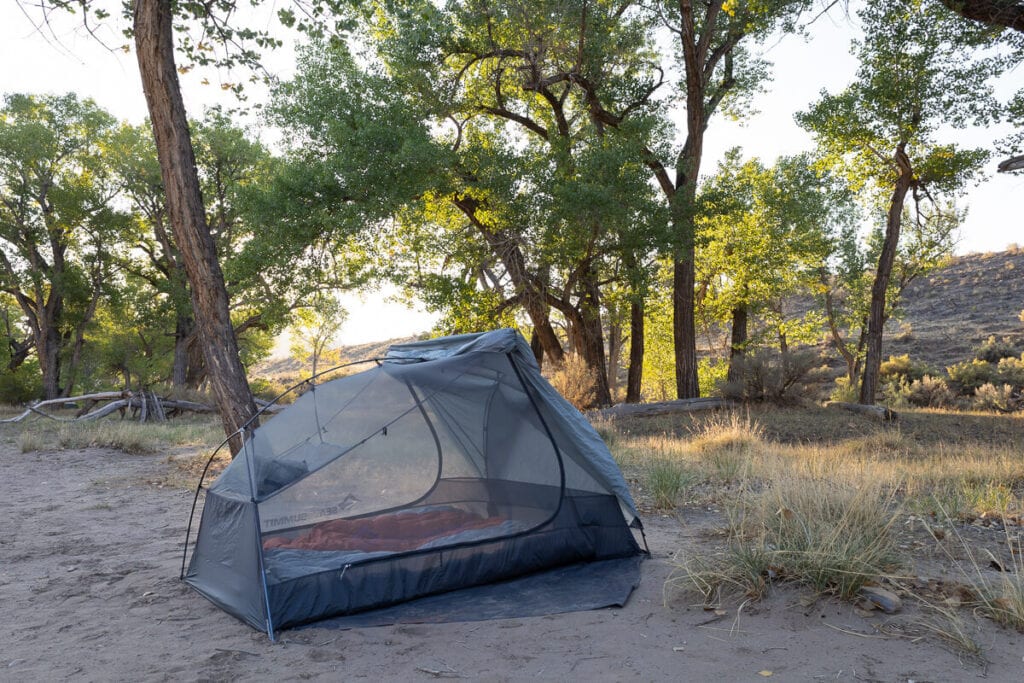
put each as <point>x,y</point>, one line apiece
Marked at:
<point>90,591</point>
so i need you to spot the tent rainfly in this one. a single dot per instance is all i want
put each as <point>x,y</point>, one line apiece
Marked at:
<point>450,464</point>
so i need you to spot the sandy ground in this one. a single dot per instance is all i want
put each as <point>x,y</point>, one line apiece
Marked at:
<point>90,551</point>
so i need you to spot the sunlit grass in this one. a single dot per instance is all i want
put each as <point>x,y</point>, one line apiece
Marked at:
<point>812,497</point>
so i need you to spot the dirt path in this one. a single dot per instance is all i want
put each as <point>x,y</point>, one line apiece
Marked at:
<point>89,559</point>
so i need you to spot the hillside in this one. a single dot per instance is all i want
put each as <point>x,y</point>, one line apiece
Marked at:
<point>287,369</point>
<point>946,315</point>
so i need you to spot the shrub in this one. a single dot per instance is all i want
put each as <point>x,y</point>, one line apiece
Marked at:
<point>21,385</point>
<point>993,350</point>
<point>927,392</point>
<point>844,391</point>
<point>903,367</point>
<point>971,374</point>
<point>769,375</point>
<point>905,334</point>
<point>575,382</point>
<point>992,397</point>
<point>930,392</point>
<point>1011,371</point>
<point>266,389</point>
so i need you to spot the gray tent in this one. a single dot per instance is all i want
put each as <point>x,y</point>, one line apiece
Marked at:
<point>452,463</point>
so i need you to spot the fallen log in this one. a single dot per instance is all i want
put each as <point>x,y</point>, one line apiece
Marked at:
<point>877,412</point>
<point>682,405</point>
<point>105,410</point>
<point>147,403</point>
<point>35,407</point>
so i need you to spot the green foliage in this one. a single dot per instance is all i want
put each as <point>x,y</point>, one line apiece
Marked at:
<point>659,361</point>
<point>711,374</point>
<point>844,391</point>
<point>764,235</point>
<point>768,375</point>
<point>59,227</point>
<point>667,481</point>
<point>313,329</point>
<point>21,385</point>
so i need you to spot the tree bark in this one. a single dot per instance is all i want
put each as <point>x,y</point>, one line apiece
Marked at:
<point>154,45</point>
<point>634,379</point>
<point>614,353</point>
<point>591,334</point>
<point>537,348</point>
<point>737,341</point>
<point>877,315</point>
<point>19,352</point>
<point>184,327</point>
<point>1006,13</point>
<point>684,328</point>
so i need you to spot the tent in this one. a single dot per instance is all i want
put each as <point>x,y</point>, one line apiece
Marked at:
<point>451,463</point>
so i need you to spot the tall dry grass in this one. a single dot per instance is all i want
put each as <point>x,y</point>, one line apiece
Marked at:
<point>831,538</point>
<point>814,496</point>
<point>124,435</point>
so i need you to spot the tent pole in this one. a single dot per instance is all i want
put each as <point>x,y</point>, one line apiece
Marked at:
<point>249,457</point>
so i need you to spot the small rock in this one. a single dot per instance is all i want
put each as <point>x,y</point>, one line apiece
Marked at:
<point>887,601</point>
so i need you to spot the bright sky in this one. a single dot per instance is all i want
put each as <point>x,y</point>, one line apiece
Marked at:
<point>76,62</point>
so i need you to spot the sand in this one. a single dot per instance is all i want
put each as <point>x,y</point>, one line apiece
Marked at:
<point>90,551</point>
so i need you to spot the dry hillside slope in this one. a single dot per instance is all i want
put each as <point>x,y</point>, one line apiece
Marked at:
<point>946,315</point>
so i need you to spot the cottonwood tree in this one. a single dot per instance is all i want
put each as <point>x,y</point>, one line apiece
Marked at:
<point>313,330</point>
<point>58,224</point>
<point>881,132</point>
<point>711,42</point>
<point>846,277</point>
<point>525,194</point>
<point>532,93</point>
<point>153,24</point>
<point>764,234</point>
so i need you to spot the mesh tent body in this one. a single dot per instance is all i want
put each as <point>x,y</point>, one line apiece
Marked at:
<point>453,463</point>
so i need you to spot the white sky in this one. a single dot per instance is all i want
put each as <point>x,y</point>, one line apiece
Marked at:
<point>76,62</point>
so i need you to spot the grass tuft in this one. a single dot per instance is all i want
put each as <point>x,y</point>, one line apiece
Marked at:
<point>30,441</point>
<point>667,481</point>
<point>831,538</point>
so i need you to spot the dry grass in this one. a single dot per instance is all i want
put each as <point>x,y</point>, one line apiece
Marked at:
<point>812,496</point>
<point>832,539</point>
<point>124,435</point>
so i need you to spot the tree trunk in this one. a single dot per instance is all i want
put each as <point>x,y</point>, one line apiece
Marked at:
<point>49,359</point>
<point>591,339</point>
<point>684,329</point>
<point>537,348</point>
<point>614,354</point>
<point>737,341</point>
<point>19,352</point>
<point>531,287</point>
<point>154,45</point>
<point>634,379</point>
<point>877,315</point>
<point>183,329</point>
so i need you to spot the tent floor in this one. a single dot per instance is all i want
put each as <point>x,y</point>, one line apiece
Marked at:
<point>575,588</point>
